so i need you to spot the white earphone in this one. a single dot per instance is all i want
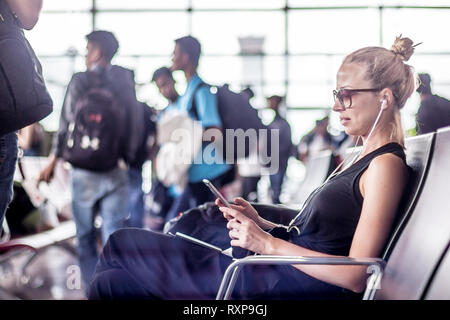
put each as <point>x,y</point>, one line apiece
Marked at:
<point>383,104</point>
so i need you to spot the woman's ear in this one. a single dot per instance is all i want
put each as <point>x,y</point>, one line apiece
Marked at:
<point>386,98</point>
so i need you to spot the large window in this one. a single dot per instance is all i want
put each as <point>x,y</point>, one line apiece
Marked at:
<point>304,42</point>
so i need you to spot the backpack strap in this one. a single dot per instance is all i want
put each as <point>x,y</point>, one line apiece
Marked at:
<point>194,103</point>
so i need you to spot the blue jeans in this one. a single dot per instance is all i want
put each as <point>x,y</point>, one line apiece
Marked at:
<point>8,158</point>
<point>105,193</point>
<point>135,199</point>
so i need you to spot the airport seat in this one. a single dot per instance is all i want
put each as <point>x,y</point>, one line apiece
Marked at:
<point>318,168</point>
<point>439,288</point>
<point>418,154</point>
<point>409,262</point>
<point>418,252</point>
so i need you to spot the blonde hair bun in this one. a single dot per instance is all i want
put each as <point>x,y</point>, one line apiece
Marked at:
<point>403,47</point>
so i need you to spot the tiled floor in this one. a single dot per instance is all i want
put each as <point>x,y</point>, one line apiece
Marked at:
<point>53,274</point>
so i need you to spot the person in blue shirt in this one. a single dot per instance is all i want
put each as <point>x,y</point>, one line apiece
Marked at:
<point>186,57</point>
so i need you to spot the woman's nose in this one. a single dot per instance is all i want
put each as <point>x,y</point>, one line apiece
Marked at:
<point>337,106</point>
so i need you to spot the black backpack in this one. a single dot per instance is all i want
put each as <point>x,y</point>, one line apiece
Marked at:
<point>95,136</point>
<point>23,96</point>
<point>121,81</point>
<point>149,133</point>
<point>235,113</point>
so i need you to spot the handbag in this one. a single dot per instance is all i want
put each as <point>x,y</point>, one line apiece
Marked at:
<point>204,222</point>
<point>180,138</point>
<point>24,98</point>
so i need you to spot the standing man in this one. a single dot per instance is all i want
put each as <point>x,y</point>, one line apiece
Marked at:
<point>27,13</point>
<point>285,146</point>
<point>434,111</point>
<point>105,191</point>
<point>186,57</point>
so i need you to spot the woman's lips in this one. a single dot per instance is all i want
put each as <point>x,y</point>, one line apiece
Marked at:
<point>344,120</point>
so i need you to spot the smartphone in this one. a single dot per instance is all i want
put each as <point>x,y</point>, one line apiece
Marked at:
<point>216,193</point>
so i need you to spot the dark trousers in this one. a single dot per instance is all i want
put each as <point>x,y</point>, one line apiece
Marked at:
<point>142,264</point>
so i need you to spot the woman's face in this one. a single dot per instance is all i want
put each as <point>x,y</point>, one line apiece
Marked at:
<point>360,117</point>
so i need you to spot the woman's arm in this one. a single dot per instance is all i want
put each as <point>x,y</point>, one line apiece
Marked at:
<point>27,11</point>
<point>381,185</point>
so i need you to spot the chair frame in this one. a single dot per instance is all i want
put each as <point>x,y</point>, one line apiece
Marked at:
<point>375,266</point>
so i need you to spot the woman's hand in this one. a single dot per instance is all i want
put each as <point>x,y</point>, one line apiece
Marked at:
<point>245,233</point>
<point>243,207</point>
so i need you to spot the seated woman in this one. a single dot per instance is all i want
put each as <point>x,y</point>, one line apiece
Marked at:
<point>349,215</point>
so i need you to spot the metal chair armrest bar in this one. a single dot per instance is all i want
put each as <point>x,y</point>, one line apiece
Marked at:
<point>4,231</point>
<point>230,276</point>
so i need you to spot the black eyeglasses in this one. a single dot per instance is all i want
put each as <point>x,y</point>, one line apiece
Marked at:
<point>345,95</point>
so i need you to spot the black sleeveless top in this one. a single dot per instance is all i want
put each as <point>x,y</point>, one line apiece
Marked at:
<point>328,222</point>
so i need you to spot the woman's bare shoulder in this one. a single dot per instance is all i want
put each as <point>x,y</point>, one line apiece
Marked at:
<point>388,167</point>
<point>388,162</point>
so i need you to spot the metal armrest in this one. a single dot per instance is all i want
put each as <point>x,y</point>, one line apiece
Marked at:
<point>4,232</point>
<point>376,267</point>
